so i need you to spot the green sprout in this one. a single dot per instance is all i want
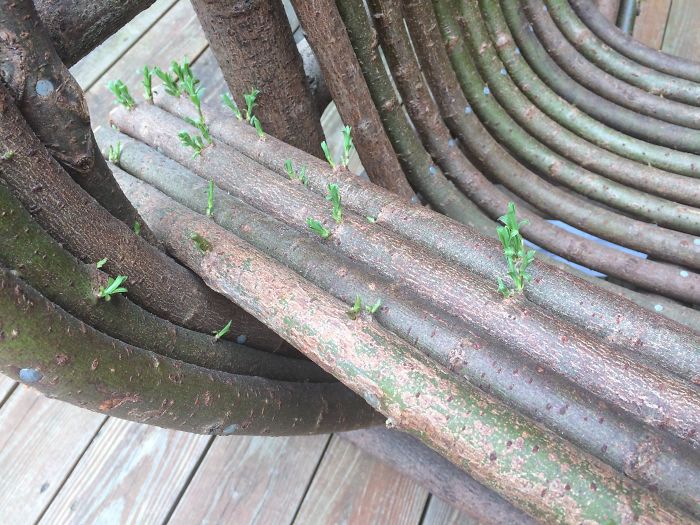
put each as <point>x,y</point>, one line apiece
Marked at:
<point>354,312</point>
<point>114,153</point>
<point>334,197</point>
<point>371,219</point>
<point>221,333</point>
<point>258,127</point>
<point>195,142</point>
<point>347,145</point>
<point>373,309</point>
<point>148,83</point>
<point>200,242</point>
<point>228,101</point>
<point>114,287</point>
<point>182,72</point>
<point>293,175</point>
<point>121,92</point>
<point>289,169</point>
<point>318,228</point>
<point>137,227</point>
<point>169,82</point>
<point>516,256</point>
<point>210,199</point>
<point>8,155</point>
<point>327,153</point>
<point>250,99</point>
<point>99,264</point>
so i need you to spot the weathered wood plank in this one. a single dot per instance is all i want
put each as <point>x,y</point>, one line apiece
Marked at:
<point>246,480</point>
<point>651,22</point>
<point>177,35</point>
<point>40,442</point>
<point>440,513</point>
<point>6,386</point>
<point>131,473</point>
<point>94,65</point>
<point>682,37</point>
<point>351,487</point>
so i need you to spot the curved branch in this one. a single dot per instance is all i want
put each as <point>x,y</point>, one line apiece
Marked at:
<point>52,351</point>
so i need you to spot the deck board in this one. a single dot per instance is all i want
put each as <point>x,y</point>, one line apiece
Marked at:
<point>40,442</point>
<point>682,37</point>
<point>651,22</point>
<point>351,488</point>
<point>131,474</point>
<point>176,36</point>
<point>6,386</point>
<point>259,480</point>
<point>440,513</point>
<point>89,70</point>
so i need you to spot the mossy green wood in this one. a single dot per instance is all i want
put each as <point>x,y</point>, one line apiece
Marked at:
<point>39,260</point>
<point>47,348</point>
<point>609,60</point>
<point>642,126</point>
<point>425,177</point>
<point>675,188</point>
<point>569,115</point>
<point>530,150</point>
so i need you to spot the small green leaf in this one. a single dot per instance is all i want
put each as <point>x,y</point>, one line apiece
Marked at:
<point>137,227</point>
<point>371,219</point>
<point>347,145</point>
<point>373,309</point>
<point>221,333</point>
<point>147,83</point>
<point>101,263</point>
<point>327,153</point>
<point>318,228</point>
<point>356,308</point>
<point>121,92</point>
<point>210,199</point>
<point>114,287</point>
<point>228,101</point>
<point>250,103</point>
<point>114,153</point>
<point>334,197</point>
<point>258,127</point>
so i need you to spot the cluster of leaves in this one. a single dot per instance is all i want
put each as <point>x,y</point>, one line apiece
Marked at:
<point>147,83</point>
<point>318,228</point>
<point>114,287</point>
<point>356,309</point>
<point>517,257</point>
<point>296,175</point>
<point>114,153</point>
<point>250,103</point>
<point>334,197</point>
<point>121,92</point>
<point>347,149</point>
<point>195,142</point>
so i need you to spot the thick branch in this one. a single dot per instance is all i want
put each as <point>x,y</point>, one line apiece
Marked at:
<point>325,33</point>
<point>254,46</point>
<point>88,231</point>
<point>64,358</point>
<point>53,105</point>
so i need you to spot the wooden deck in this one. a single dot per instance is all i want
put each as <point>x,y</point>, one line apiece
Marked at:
<point>61,464</point>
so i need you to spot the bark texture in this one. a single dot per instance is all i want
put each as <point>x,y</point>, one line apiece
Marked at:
<point>76,27</point>
<point>254,46</point>
<point>326,35</point>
